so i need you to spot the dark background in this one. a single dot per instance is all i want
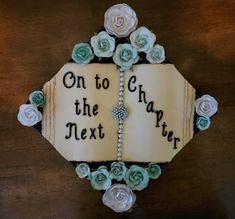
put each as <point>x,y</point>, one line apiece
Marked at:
<point>36,39</point>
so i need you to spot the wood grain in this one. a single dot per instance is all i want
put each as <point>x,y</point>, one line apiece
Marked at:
<point>36,38</point>
<point>49,118</point>
<point>162,84</point>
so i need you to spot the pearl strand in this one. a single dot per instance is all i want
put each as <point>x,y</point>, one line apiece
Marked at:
<point>120,113</point>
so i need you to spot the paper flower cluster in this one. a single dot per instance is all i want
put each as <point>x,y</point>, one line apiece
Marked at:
<point>28,114</point>
<point>205,106</point>
<point>125,45</point>
<point>119,196</point>
<point>120,21</point>
<point>135,177</point>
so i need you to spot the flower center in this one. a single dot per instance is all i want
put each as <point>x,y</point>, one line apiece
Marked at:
<point>153,170</point>
<point>136,178</point>
<point>83,53</point>
<point>118,21</point>
<point>104,45</point>
<point>203,122</point>
<point>121,196</point>
<point>37,98</point>
<point>206,107</point>
<point>29,113</point>
<point>100,178</point>
<point>125,55</point>
<point>117,170</point>
<point>156,54</point>
<point>83,170</point>
<point>141,41</point>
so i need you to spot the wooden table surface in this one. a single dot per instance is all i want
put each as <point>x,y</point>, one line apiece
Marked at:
<point>36,38</point>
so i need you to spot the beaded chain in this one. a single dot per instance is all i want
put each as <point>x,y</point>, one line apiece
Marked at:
<point>120,113</point>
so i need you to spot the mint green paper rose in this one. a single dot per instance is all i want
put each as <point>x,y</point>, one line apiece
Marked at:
<point>142,39</point>
<point>154,170</point>
<point>103,45</point>
<point>203,123</point>
<point>100,179</point>
<point>83,170</point>
<point>137,178</point>
<point>82,53</point>
<point>37,98</point>
<point>125,56</point>
<point>156,54</point>
<point>118,171</point>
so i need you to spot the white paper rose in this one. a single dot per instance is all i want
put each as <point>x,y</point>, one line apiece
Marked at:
<point>29,115</point>
<point>156,54</point>
<point>120,20</point>
<point>142,39</point>
<point>119,197</point>
<point>206,106</point>
<point>103,45</point>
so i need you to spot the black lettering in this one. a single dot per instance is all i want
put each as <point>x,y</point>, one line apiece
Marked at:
<point>169,137</point>
<point>149,107</point>
<point>98,85</point>
<point>105,83</point>
<point>92,133</point>
<point>175,142</point>
<point>132,80</point>
<point>101,135</point>
<point>164,132</point>
<point>83,134</point>
<point>142,94</point>
<point>159,115</point>
<point>80,78</point>
<point>95,110</point>
<point>70,76</point>
<point>77,110</point>
<point>70,126</point>
<point>86,107</point>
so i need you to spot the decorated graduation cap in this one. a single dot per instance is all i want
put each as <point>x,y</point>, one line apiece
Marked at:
<point>118,109</point>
